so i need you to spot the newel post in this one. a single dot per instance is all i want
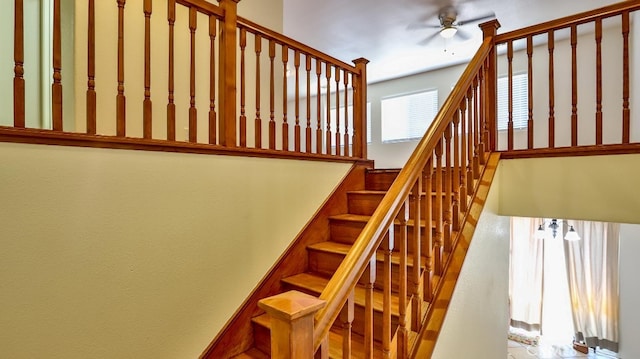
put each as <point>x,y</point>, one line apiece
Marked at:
<point>292,318</point>
<point>360,109</point>
<point>227,71</point>
<point>490,114</point>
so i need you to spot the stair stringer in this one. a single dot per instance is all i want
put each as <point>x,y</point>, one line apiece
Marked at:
<point>437,311</point>
<point>237,334</point>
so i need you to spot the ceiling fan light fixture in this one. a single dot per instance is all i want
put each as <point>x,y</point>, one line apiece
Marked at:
<point>448,32</point>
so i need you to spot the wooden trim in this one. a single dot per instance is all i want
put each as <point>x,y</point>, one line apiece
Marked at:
<point>237,334</point>
<point>593,150</point>
<point>48,137</point>
<point>565,22</point>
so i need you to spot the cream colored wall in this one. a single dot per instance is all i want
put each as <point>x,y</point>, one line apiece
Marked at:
<point>133,254</point>
<point>601,188</point>
<point>476,323</point>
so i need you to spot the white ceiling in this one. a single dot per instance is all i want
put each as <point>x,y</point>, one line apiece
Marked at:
<point>389,32</point>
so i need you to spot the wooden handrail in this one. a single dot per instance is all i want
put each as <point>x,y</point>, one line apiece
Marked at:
<point>568,21</point>
<point>346,276</point>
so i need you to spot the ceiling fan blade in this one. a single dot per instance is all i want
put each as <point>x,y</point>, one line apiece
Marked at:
<point>476,19</point>
<point>428,39</point>
<point>419,26</point>
<point>463,34</point>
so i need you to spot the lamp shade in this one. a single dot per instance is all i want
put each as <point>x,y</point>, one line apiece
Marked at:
<point>448,32</point>
<point>572,235</point>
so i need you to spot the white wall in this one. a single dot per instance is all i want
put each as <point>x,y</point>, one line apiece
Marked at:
<point>629,291</point>
<point>476,323</point>
<point>134,254</point>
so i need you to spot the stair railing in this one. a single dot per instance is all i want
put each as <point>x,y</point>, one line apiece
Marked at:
<point>222,84</point>
<point>577,85</point>
<point>459,136</point>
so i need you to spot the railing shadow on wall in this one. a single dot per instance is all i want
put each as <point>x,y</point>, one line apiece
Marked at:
<point>192,76</point>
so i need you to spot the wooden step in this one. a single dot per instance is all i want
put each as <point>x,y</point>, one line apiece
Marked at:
<point>365,202</point>
<point>345,228</point>
<point>325,257</point>
<point>262,325</point>
<point>313,284</point>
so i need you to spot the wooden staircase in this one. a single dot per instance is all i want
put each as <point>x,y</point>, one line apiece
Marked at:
<point>323,259</point>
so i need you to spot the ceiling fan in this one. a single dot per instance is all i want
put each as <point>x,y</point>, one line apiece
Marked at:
<point>450,25</point>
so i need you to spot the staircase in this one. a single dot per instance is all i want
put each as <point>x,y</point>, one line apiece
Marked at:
<point>325,257</point>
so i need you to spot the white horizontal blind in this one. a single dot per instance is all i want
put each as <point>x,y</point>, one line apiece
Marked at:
<point>520,102</point>
<point>407,117</point>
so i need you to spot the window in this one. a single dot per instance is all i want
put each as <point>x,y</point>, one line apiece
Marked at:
<point>407,117</point>
<point>520,102</point>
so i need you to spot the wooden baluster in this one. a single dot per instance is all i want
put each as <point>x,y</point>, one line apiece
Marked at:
<point>369,278</point>
<point>463,156</point>
<point>470,180</point>
<point>307,132</point>
<point>346,318</point>
<point>296,64</point>
<point>416,295</point>
<point>285,97</point>
<point>598,81</point>
<point>213,120</point>
<point>574,86</point>
<point>323,350</point>
<point>272,92</point>
<point>171,107</point>
<point>56,87</point>
<point>328,109</point>
<point>476,129</point>
<point>447,205</point>
<point>403,336</point>
<point>427,241</point>
<point>258,121</point>
<point>243,86</point>
<point>510,95</point>
<point>483,127</point>
<point>530,92</point>
<point>146,104</point>
<point>18,69</point>
<point>338,139</point>
<point>455,183</point>
<point>626,113</point>
<point>346,115</point>
<point>120,98</point>
<point>552,119</point>
<point>387,248</point>
<point>318,108</point>
<point>91,68</point>
<point>193,112</point>
<point>438,212</point>
<point>291,323</point>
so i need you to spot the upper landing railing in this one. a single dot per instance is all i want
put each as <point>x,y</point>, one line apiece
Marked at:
<point>189,75</point>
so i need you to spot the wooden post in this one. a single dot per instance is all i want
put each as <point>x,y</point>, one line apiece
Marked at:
<point>227,78</point>
<point>18,56</point>
<point>56,86</point>
<point>489,30</point>
<point>360,109</point>
<point>291,323</point>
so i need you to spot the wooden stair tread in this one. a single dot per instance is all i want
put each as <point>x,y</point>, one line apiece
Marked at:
<point>348,217</point>
<point>316,284</point>
<point>343,249</point>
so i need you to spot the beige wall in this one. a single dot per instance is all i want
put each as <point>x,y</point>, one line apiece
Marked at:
<point>133,254</point>
<point>476,323</point>
<point>601,188</point>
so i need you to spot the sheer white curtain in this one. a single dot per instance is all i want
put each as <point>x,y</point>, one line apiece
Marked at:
<point>592,269</point>
<point>525,274</point>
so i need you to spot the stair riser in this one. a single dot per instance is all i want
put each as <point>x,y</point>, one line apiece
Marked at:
<point>348,231</point>
<point>327,263</point>
<point>262,338</point>
<point>366,203</point>
<point>381,181</point>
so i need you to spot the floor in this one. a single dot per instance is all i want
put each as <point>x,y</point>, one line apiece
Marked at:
<point>520,351</point>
